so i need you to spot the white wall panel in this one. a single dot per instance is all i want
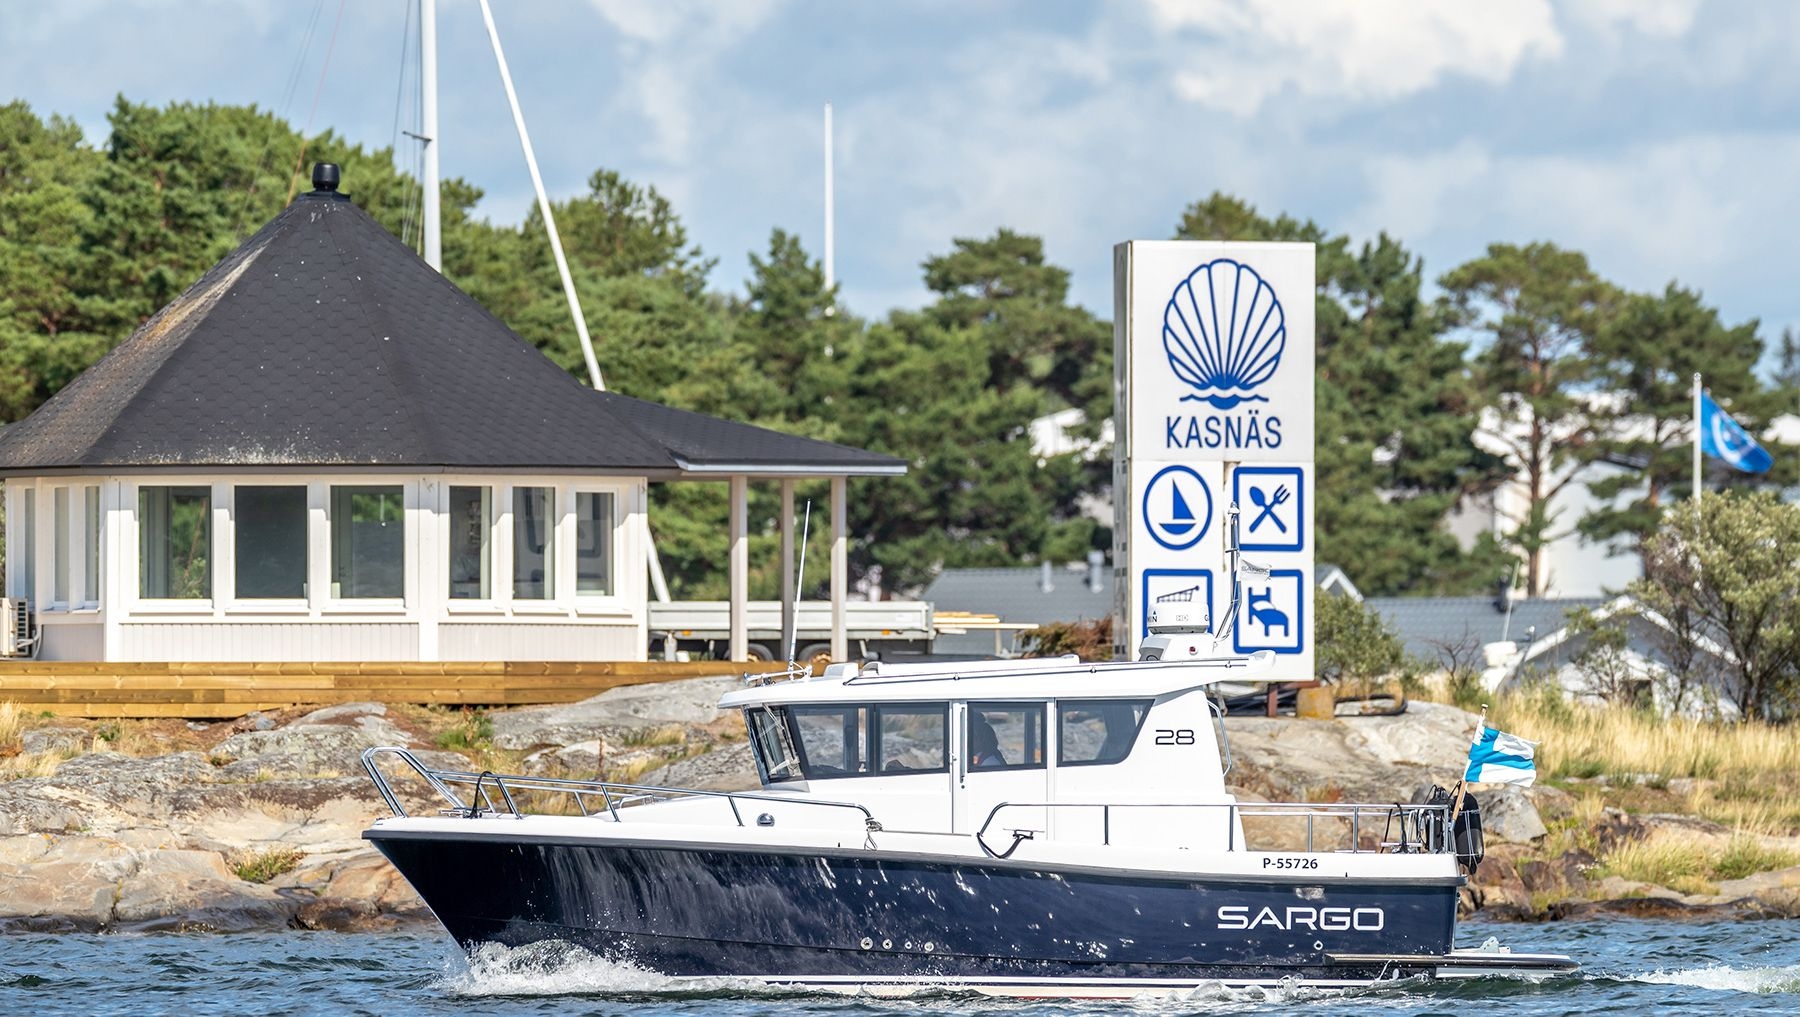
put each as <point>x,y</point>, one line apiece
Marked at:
<point>522,641</point>
<point>268,641</point>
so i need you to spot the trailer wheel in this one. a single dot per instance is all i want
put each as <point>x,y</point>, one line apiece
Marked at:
<point>814,655</point>
<point>760,653</point>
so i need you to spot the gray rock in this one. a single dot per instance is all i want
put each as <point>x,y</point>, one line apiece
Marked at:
<point>727,768</point>
<point>1508,815</point>
<point>580,761</point>
<point>693,701</point>
<point>54,739</point>
<point>194,891</point>
<point>328,742</point>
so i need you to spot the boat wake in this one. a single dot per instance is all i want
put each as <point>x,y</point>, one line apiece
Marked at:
<point>554,968</point>
<point>1729,978</point>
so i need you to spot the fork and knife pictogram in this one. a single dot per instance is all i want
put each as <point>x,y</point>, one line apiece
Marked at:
<point>1268,504</point>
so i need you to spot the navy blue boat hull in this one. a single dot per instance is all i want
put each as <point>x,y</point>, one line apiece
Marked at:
<point>687,911</point>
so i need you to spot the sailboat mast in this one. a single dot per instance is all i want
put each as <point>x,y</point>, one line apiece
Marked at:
<point>428,126</point>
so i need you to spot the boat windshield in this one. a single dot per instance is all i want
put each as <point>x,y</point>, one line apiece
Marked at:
<point>774,749</point>
<point>850,740</point>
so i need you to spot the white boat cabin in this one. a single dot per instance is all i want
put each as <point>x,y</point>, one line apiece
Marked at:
<point>1052,749</point>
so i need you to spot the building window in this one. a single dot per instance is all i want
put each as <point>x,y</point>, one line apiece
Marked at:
<point>174,543</point>
<point>368,543</point>
<point>471,551</point>
<point>270,523</point>
<point>59,525</point>
<point>90,589</point>
<point>593,543</point>
<point>28,551</point>
<point>534,547</point>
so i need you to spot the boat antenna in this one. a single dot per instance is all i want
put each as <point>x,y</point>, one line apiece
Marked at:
<point>1238,566</point>
<point>799,584</point>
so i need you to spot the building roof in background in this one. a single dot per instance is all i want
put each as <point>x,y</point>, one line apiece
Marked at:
<point>1018,594</point>
<point>1426,624</point>
<point>324,341</point>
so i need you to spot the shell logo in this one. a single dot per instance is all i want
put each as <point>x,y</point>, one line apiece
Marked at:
<point>1224,331</point>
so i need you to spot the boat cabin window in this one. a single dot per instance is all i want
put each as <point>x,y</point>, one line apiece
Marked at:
<point>912,739</point>
<point>1097,731</point>
<point>824,742</point>
<point>1006,736</point>
<point>774,748</point>
<point>831,739</point>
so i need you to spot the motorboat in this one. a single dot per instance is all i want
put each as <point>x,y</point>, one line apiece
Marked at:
<point>1045,828</point>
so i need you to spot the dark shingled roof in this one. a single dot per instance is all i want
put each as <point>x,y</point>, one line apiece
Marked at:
<point>1431,626</point>
<point>324,342</point>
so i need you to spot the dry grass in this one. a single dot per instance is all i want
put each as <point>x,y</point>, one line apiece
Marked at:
<point>264,865</point>
<point>12,724</point>
<point>1579,741</point>
<point>654,737</point>
<point>1679,861</point>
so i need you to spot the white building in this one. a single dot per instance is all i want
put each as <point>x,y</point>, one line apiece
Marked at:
<point>325,451</point>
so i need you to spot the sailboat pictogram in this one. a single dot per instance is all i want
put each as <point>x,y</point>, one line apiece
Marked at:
<point>1181,518</point>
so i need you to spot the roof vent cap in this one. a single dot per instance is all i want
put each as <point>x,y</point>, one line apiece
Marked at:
<point>325,176</point>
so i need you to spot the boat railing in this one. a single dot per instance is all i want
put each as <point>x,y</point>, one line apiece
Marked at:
<point>1405,828</point>
<point>591,797</point>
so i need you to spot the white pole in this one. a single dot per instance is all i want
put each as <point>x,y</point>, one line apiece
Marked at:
<point>428,125</point>
<point>1696,494</point>
<point>740,568</point>
<point>537,181</point>
<point>840,570</point>
<point>789,601</point>
<point>830,226</point>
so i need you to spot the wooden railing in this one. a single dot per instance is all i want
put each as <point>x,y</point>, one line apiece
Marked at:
<point>212,690</point>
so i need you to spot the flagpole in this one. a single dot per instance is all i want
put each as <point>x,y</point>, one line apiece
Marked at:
<point>1696,493</point>
<point>1462,784</point>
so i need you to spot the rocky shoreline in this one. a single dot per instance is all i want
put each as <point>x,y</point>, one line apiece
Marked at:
<point>262,828</point>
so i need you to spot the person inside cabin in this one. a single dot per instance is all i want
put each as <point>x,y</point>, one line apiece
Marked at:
<point>984,744</point>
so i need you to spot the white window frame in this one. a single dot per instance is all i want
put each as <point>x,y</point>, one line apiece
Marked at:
<point>499,584</point>
<point>556,603</point>
<point>622,501</point>
<point>219,564</point>
<point>409,537</point>
<point>91,558</point>
<point>271,605</point>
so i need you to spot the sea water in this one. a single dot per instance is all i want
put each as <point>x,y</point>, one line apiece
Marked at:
<point>1630,966</point>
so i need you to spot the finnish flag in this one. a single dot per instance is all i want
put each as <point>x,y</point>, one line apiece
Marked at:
<point>1499,758</point>
<point>1724,438</point>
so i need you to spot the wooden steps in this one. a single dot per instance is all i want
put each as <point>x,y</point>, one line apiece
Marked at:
<point>214,690</point>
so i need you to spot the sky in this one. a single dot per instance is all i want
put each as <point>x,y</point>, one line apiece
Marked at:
<point>1658,136</point>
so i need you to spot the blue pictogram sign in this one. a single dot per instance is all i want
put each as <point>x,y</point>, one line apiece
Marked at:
<point>1223,331</point>
<point>1271,501</point>
<point>1270,617</point>
<point>1177,507</point>
<point>1175,586</point>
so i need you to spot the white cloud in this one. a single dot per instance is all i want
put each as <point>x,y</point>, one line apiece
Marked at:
<point>1237,54</point>
<point>671,44</point>
<point>1699,209</point>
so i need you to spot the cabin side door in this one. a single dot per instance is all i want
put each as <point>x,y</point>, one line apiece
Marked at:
<point>1000,760</point>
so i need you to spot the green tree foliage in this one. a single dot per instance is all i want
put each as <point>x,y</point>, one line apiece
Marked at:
<point>1355,644</point>
<point>1644,359</point>
<point>953,389</point>
<point>1538,307</point>
<point>1394,404</point>
<point>1728,569</point>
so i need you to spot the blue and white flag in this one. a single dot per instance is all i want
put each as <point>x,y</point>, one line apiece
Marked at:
<point>1499,758</point>
<point>1724,438</point>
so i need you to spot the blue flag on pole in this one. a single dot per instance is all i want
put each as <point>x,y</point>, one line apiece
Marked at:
<point>1723,438</point>
<point>1499,758</point>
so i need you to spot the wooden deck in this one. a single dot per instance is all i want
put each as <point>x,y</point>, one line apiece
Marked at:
<point>214,690</point>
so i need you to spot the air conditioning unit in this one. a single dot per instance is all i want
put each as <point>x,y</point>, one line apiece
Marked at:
<point>19,638</point>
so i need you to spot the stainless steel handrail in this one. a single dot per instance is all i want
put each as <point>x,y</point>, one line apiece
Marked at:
<point>615,796</point>
<point>1437,836</point>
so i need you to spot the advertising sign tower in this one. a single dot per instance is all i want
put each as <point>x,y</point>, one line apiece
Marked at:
<point>1213,386</point>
